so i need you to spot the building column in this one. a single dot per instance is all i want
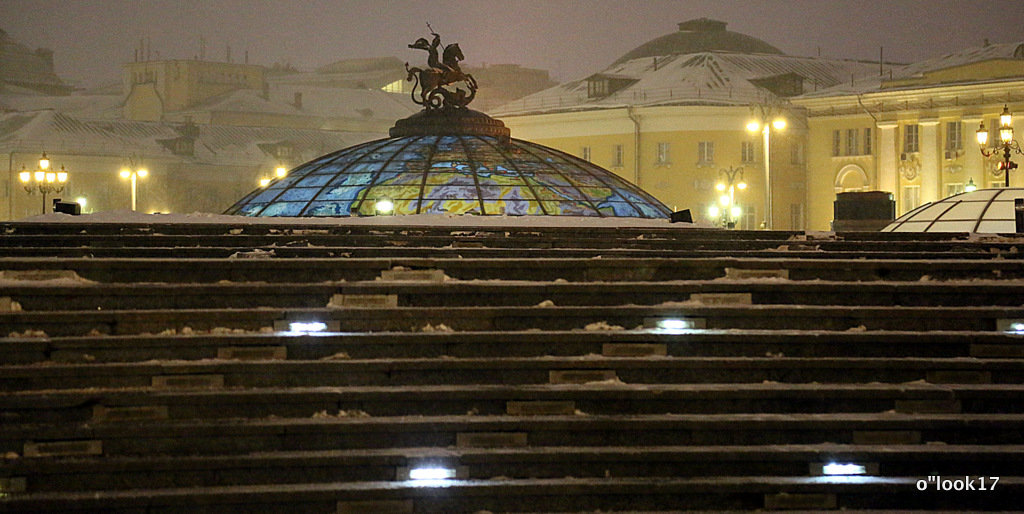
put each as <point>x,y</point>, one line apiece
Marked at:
<point>974,162</point>
<point>886,179</point>
<point>931,168</point>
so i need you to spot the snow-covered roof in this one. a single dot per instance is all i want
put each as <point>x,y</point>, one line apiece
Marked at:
<point>104,106</point>
<point>336,102</point>
<point>221,144</point>
<point>913,75</point>
<point>963,57</point>
<point>321,102</point>
<point>708,78</point>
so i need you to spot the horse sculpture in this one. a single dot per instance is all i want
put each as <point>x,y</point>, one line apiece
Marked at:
<point>439,73</point>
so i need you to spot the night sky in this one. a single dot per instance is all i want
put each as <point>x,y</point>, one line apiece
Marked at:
<point>570,38</point>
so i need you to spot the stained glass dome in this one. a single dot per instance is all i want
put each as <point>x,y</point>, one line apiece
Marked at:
<point>434,164</point>
<point>986,211</point>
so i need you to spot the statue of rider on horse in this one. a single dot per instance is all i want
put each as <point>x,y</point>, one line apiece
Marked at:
<point>439,73</point>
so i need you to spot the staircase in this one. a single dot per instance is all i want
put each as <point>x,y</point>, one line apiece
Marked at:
<point>158,369</point>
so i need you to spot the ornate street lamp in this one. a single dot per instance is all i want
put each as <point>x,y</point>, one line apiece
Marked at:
<point>729,211</point>
<point>43,179</point>
<point>765,126</point>
<point>133,174</point>
<point>1006,141</point>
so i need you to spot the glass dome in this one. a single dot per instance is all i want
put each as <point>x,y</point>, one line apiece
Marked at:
<point>454,174</point>
<point>987,211</point>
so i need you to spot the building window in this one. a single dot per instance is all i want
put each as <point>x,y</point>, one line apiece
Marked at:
<point>954,188</point>
<point>954,136</point>
<point>663,156</point>
<point>852,146</point>
<point>867,141</point>
<point>995,184</point>
<point>585,153</point>
<point>748,218</point>
<point>597,88</point>
<point>617,156</point>
<point>796,153</point>
<point>911,198</point>
<point>836,138</point>
<point>748,151</point>
<point>910,139</point>
<point>394,87</point>
<point>993,133</point>
<point>796,216</point>
<point>706,152</point>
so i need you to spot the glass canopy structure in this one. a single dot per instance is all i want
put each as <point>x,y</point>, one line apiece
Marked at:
<point>453,174</point>
<point>987,211</point>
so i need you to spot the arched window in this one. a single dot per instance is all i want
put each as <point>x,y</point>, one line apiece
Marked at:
<point>852,178</point>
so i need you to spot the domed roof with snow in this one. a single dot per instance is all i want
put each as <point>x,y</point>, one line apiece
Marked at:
<point>698,36</point>
<point>987,211</point>
<point>454,162</point>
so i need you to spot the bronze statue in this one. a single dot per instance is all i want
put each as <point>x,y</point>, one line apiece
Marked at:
<point>439,73</point>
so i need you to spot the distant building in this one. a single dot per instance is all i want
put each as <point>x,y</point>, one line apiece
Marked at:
<point>671,114</point>
<point>192,168</point>
<point>911,131</point>
<point>207,132</point>
<point>221,93</point>
<point>24,70</point>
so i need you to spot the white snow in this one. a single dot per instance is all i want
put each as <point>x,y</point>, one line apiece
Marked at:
<point>601,325</point>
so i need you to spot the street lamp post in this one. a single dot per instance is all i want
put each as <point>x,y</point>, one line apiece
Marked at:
<point>729,210</point>
<point>765,127</point>
<point>43,180</point>
<point>134,174</point>
<point>1005,139</point>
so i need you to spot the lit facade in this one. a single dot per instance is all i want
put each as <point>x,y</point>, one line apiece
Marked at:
<point>671,116</point>
<point>912,133</point>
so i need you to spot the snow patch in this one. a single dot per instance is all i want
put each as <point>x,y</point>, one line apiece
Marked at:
<point>54,277</point>
<point>546,303</point>
<point>441,327</point>
<point>28,333</point>
<point>600,326</point>
<point>254,254</point>
<point>337,357</point>
<point>354,413</point>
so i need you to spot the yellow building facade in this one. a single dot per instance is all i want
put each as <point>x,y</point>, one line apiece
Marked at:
<point>913,133</point>
<point>672,116</point>
<point>680,153</point>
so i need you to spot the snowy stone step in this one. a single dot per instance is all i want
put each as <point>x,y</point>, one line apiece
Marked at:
<point>536,495</point>
<point>516,267</point>
<point>511,371</point>
<point>506,318</point>
<point>736,343</point>
<point>115,406</point>
<point>272,434</point>
<point>120,473</point>
<point>95,296</point>
<point>769,251</point>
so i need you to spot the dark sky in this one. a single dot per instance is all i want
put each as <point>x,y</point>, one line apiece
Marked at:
<point>571,38</point>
